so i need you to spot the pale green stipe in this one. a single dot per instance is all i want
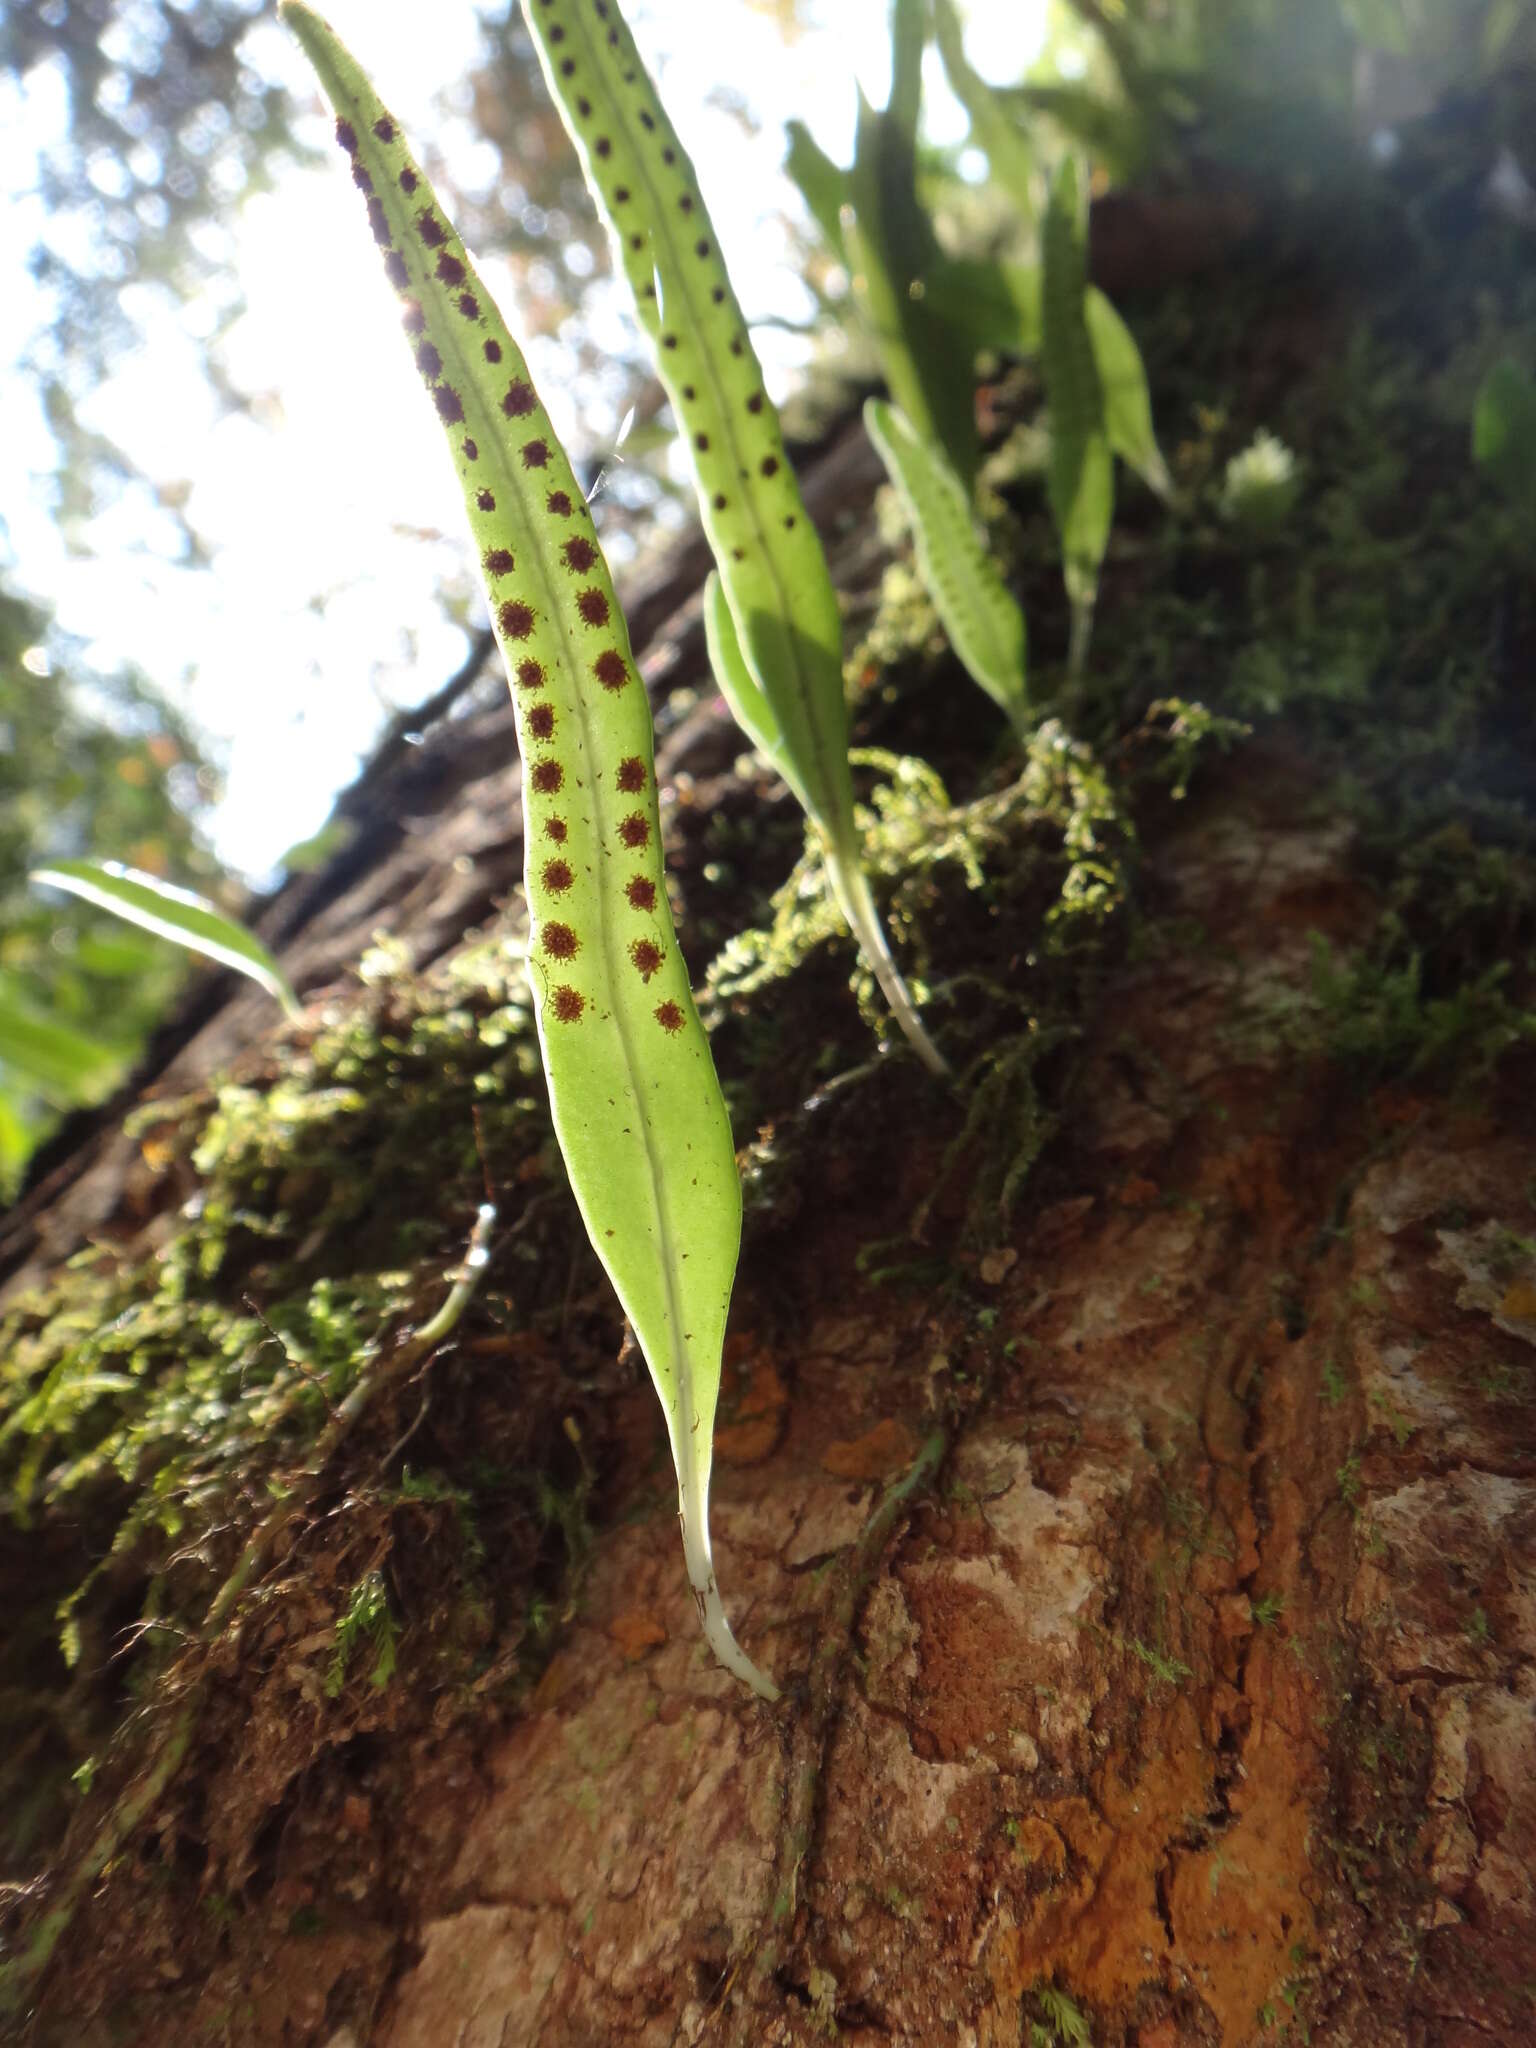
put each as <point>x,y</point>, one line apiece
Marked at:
<point>1080,477</point>
<point>999,136</point>
<point>635,1100</point>
<point>984,622</point>
<point>171,913</point>
<point>770,558</point>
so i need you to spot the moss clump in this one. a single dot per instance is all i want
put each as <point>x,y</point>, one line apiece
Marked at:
<point>157,1396</point>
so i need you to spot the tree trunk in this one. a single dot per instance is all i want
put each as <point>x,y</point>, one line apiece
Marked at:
<point>1148,1574</point>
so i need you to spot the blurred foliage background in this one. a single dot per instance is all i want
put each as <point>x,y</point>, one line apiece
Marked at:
<point>169,118</point>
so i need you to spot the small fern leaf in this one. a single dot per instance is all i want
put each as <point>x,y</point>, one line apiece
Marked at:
<point>1127,401</point>
<point>1080,477</point>
<point>984,622</point>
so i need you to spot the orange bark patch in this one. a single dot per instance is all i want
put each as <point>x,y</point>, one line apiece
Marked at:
<point>887,1448</point>
<point>758,1417</point>
<point>636,1631</point>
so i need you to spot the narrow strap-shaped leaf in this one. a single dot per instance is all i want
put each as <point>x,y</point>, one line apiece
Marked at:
<point>1127,400</point>
<point>1080,476</point>
<point>770,558</point>
<point>749,707</point>
<point>993,129</point>
<point>984,622</point>
<point>823,184</point>
<point>769,555</point>
<point>171,913</point>
<point>636,1103</point>
<point>893,252</point>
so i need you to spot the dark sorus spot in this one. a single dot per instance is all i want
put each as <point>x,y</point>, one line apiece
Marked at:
<point>701,440</point>
<point>471,450</point>
<point>701,246</point>
<point>630,775</point>
<point>413,319</point>
<point>498,562</point>
<point>645,120</point>
<point>378,222</point>
<point>486,500</point>
<point>593,607</point>
<point>428,361</point>
<point>518,399</point>
<point>670,1016</point>
<point>579,553</point>
<point>685,204</point>
<point>641,891</point>
<point>556,877</point>
<point>610,670</point>
<point>688,391</point>
<point>407,181</point>
<point>555,828</point>
<point>603,146</point>
<point>395,270</point>
<point>493,351</point>
<point>719,501</point>
<point>583,108</point>
<point>613,39</point>
<point>736,346</point>
<point>559,942</point>
<point>769,465</point>
<point>789,520</point>
<point>568,67</point>
<point>535,454</point>
<point>755,402</point>
<point>669,156</point>
<point>738,554</point>
<point>541,721</point>
<point>361,179</point>
<point>346,135</point>
<point>669,341</point>
<point>384,128</point>
<point>646,955</point>
<point>637,241</point>
<point>648,289</point>
<point>568,1004</point>
<point>557,35</point>
<point>635,830</point>
<point>621,195</point>
<point>450,269</point>
<point>430,229</point>
<point>469,305</point>
<point>530,674</point>
<point>559,504</point>
<point>547,777</point>
<point>450,408</point>
<point>516,619</point>
<point>718,295</point>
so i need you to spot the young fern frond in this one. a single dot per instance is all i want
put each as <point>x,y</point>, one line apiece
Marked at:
<point>1080,478</point>
<point>984,622</point>
<point>772,567</point>
<point>635,1100</point>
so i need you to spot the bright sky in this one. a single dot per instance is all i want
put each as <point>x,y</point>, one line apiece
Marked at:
<point>331,514</point>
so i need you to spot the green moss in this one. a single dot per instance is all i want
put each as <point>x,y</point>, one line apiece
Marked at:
<point>157,1394</point>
